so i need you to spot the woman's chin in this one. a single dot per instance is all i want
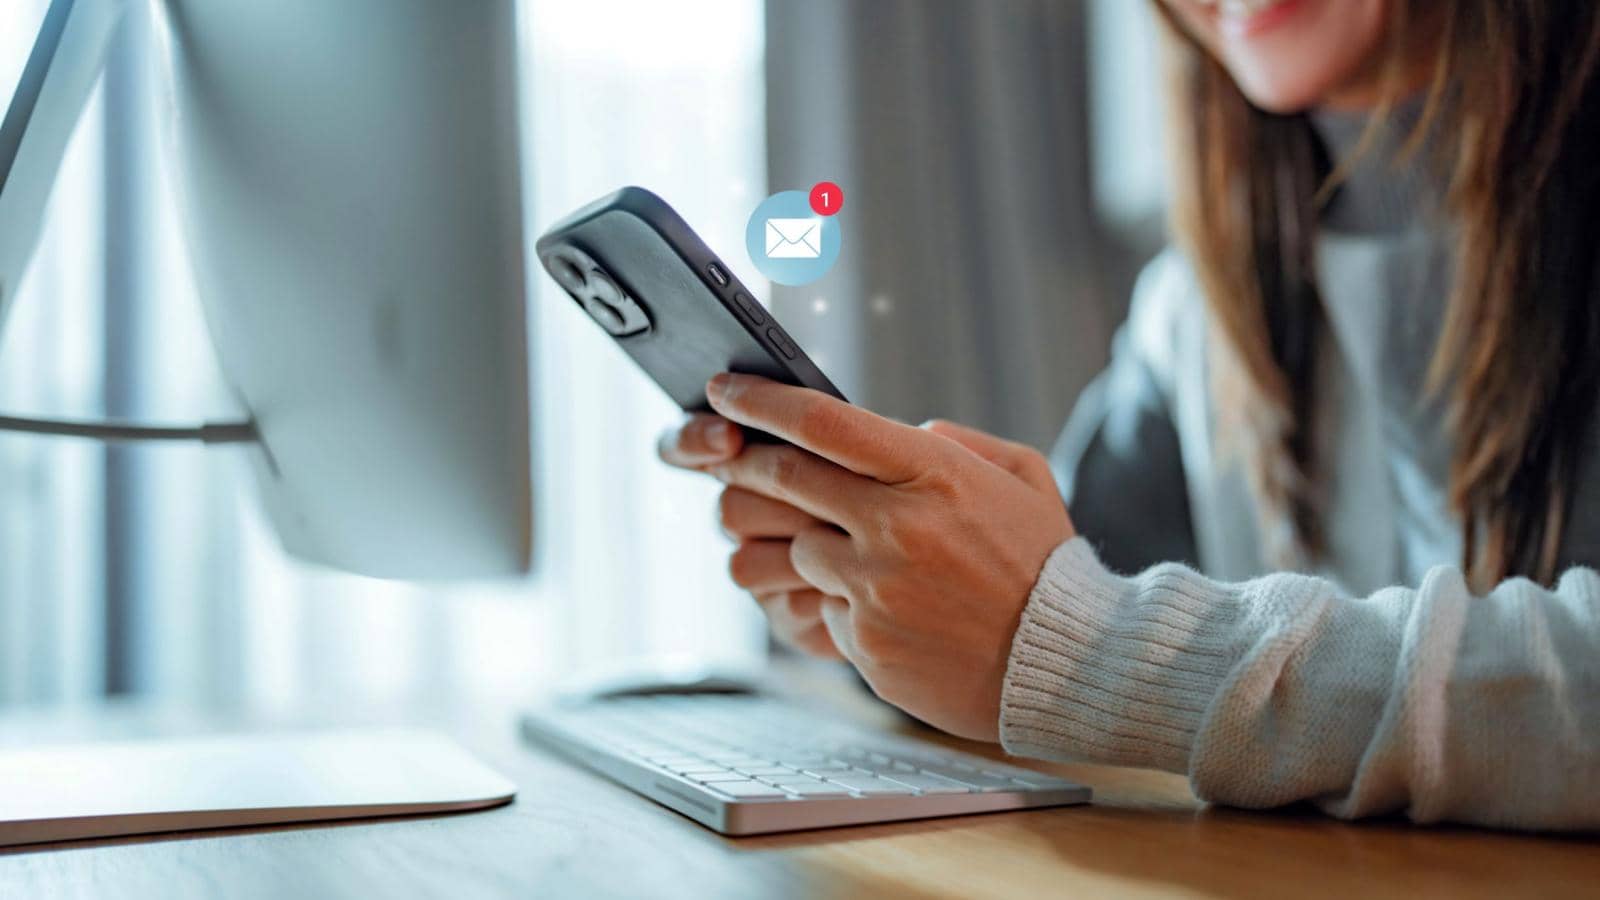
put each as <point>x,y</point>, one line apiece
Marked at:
<point>1306,54</point>
<point>1274,93</point>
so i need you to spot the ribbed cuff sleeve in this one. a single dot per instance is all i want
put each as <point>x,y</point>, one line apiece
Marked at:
<point>1115,670</point>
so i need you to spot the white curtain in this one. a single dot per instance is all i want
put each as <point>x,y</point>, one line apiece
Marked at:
<point>667,96</point>
<point>154,573</point>
<point>975,283</point>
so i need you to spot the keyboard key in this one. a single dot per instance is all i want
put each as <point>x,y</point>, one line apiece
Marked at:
<point>887,769</point>
<point>817,790</point>
<point>1046,782</point>
<point>826,771</point>
<point>749,790</point>
<point>1004,771</point>
<point>675,760</point>
<point>973,778</point>
<point>868,786</point>
<point>930,784</point>
<point>757,771</point>
<point>790,778</point>
<point>717,777</point>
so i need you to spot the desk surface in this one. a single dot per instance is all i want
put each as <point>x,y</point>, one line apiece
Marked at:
<point>571,833</point>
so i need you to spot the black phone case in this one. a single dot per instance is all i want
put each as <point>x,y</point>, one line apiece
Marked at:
<point>696,326</point>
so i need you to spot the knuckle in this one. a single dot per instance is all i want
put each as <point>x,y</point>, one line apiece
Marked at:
<point>783,618</point>
<point>1040,467</point>
<point>873,642</point>
<point>818,420</point>
<point>787,470</point>
<point>882,526</point>
<point>903,534</point>
<point>805,543</point>
<point>1028,456</point>
<point>941,482</point>
<point>884,595</point>
<point>889,528</point>
<point>775,606</point>
<point>742,566</point>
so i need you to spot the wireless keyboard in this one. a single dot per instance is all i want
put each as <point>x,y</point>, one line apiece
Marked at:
<point>752,765</point>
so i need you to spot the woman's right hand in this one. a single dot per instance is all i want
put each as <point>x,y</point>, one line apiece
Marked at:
<point>763,529</point>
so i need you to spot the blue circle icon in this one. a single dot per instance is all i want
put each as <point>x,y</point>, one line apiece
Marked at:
<point>788,242</point>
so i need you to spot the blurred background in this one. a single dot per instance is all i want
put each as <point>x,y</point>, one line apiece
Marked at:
<point>1003,179</point>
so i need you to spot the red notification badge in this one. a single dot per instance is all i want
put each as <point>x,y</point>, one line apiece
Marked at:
<point>826,198</point>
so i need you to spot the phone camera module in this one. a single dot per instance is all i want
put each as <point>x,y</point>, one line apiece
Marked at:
<point>597,292</point>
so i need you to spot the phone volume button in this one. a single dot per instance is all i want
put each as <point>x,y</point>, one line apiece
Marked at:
<point>782,343</point>
<point>750,308</point>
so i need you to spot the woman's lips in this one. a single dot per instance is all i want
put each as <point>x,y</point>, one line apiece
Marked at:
<point>1247,18</point>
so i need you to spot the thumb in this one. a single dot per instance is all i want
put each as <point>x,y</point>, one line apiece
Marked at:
<point>1018,459</point>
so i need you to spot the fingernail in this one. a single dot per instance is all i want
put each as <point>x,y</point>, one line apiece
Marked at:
<point>720,436</point>
<point>717,388</point>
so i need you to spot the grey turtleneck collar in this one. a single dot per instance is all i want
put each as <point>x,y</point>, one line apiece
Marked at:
<point>1386,191</point>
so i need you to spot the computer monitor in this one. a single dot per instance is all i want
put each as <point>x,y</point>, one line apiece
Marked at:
<point>349,186</point>
<point>348,173</point>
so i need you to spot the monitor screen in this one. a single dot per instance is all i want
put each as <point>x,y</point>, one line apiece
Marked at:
<point>19,27</point>
<point>51,54</point>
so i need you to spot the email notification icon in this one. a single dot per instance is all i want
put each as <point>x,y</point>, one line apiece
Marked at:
<point>790,241</point>
<point>794,238</point>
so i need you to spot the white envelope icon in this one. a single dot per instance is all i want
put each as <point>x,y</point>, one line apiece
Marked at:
<point>794,238</point>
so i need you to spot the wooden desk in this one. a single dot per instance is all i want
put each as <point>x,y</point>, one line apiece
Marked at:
<point>575,834</point>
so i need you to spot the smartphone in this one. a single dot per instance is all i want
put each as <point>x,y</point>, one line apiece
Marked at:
<point>641,273</point>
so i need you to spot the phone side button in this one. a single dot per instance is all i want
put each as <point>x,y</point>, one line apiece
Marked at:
<point>781,342</point>
<point>750,308</point>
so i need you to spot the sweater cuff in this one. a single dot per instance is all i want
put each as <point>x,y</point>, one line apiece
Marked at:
<point>1114,670</point>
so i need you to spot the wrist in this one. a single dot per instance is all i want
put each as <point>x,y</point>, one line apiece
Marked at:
<point>1109,669</point>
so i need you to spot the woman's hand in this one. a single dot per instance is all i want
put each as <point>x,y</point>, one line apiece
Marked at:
<point>763,529</point>
<point>927,542</point>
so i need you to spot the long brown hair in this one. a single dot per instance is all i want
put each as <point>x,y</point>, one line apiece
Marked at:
<point>1514,96</point>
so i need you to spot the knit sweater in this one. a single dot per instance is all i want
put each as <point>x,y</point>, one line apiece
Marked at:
<point>1377,683</point>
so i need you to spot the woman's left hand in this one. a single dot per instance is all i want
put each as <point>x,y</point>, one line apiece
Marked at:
<point>941,533</point>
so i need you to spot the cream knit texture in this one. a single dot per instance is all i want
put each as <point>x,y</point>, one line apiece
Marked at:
<point>1429,701</point>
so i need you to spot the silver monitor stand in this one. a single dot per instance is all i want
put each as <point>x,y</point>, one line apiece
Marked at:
<point>73,792</point>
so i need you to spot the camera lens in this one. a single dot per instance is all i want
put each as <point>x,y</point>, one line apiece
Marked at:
<point>568,273</point>
<point>602,287</point>
<point>603,313</point>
